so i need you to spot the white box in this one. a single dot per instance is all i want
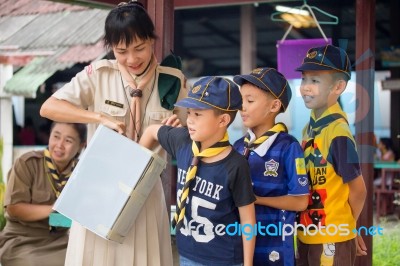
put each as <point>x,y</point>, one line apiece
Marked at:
<point>110,184</point>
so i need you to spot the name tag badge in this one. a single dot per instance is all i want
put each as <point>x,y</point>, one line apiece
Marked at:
<point>119,105</point>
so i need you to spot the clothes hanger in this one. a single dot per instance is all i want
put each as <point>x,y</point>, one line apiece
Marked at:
<point>334,19</point>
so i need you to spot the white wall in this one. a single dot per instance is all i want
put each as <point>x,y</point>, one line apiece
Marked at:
<point>6,122</point>
<point>299,115</point>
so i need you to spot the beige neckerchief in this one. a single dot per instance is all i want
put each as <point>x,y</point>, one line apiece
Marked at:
<point>136,85</point>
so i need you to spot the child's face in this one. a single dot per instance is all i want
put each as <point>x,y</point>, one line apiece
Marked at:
<point>258,111</point>
<point>136,56</point>
<point>317,90</point>
<point>204,126</point>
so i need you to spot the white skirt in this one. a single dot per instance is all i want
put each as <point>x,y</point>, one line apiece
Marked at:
<point>148,242</point>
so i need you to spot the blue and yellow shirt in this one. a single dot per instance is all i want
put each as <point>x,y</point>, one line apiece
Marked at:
<point>277,169</point>
<point>331,161</point>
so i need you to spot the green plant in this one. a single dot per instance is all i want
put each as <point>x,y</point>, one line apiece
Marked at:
<point>386,247</point>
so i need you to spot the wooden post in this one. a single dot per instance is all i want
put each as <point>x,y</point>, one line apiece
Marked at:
<point>162,14</point>
<point>365,70</point>
<point>248,47</point>
<point>395,74</point>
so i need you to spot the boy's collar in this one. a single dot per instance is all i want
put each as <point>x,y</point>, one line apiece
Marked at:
<point>335,108</point>
<point>262,149</point>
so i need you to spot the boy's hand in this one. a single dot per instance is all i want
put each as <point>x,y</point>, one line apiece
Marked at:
<point>172,121</point>
<point>361,247</point>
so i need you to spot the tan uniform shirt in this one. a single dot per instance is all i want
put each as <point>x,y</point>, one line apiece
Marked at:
<point>101,88</point>
<point>26,243</point>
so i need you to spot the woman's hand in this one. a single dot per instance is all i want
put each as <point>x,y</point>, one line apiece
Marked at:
<point>172,121</point>
<point>112,123</point>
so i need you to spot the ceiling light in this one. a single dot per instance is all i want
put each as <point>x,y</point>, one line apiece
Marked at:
<point>292,10</point>
<point>299,18</point>
<point>299,21</point>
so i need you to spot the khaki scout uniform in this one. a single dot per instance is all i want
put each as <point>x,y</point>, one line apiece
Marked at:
<point>31,243</point>
<point>101,88</point>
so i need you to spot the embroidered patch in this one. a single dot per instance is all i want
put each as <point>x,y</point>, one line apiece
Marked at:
<point>300,166</point>
<point>257,71</point>
<point>271,168</point>
<point>312,55</point>
<point>302,181</point>
<point>273,256</point>
<point>119,105</point>
<point>196,89</point>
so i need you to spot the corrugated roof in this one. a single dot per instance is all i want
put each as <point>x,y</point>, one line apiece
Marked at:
<point>29,75</point>
<point>27,7</point>
<point>61,34</point>
<point>11,25</point>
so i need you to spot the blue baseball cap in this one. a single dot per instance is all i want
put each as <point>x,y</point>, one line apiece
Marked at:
<point>269,80</point>
<point>326,57</point>
<point>213,92</point>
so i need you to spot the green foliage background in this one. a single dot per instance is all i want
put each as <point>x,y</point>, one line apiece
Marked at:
<point>2,189</point>
<point>386,248</point>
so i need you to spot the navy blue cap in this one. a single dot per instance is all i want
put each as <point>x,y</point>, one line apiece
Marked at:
<point>269,80</point>
<point>326,57</point>
<point>213,92</point>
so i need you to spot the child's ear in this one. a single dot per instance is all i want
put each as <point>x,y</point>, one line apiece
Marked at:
<point>276,106</point>
<point>225,120</point>
<point>340,86</point>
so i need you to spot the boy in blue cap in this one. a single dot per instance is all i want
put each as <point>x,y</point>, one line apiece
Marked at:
<point>337,189</point>
<point>214,188</point>
<point>276,162</point>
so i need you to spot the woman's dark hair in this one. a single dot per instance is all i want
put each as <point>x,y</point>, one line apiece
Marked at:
<point>126,22</point>
<point>81,129</point>
<point>387,142</point>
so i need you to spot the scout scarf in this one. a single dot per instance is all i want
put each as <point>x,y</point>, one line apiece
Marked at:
<point>136,85</point>
<point>248,144</point>
<point>214,150</point>
<point>314,128</point>
<point>54,177</point>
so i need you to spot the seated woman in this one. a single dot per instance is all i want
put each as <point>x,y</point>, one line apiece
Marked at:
<point>386,150</point>
<point>34,183</point>
<point>386,154</point>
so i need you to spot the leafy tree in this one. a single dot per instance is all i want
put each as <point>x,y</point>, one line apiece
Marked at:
<point>2,189</point>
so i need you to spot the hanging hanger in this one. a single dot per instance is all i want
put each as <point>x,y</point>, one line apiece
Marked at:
<point>276,17</point>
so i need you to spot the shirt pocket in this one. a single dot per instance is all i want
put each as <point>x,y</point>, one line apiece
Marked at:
<point>156,117</point>
<point>114,111</point>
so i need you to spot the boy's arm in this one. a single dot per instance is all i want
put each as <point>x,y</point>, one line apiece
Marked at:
<point>248,217</point>
<point>149,137</point>
<point>286,202</point>
<point>357,195</point>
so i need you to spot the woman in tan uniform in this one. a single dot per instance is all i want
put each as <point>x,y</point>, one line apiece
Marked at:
<point>124,95</point>
<point>34,182</point>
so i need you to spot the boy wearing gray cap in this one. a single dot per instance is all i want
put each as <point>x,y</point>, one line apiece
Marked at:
<point>337,190</point>
<point>214,190</point>
<point>276,162</point>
